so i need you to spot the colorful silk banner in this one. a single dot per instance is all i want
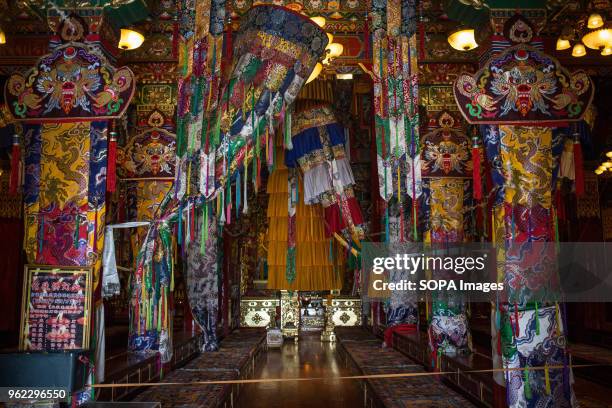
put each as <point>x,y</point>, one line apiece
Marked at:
<point>151,286</point>
<point>394,73</point>
<point>396,98</point>
<point>318,148</point>
<point>299,256</point>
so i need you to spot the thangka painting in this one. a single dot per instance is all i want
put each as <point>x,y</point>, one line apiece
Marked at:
<point>445,151</point>
<point>73,82</point>
<point>150,154</point>
<point>524,86</point>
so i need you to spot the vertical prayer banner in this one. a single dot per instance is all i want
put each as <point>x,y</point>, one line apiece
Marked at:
<point>394,74</point>
<point>394,71</point>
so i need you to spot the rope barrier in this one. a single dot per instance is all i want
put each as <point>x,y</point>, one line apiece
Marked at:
<point>353,377</point>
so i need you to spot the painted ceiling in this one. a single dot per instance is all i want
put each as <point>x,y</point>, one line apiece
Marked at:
<point>25,16</point>
<point>345,18</point>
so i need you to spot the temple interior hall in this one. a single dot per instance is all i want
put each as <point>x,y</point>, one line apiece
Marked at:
<point>306,203</point>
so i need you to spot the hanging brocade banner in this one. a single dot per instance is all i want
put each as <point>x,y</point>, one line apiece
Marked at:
<point>151,286</point>
<point>274,53</point>
<point>394,73</point>
<point>201,26</point>
<point>395,76</point>
<point>299,256</point>
<point>318,148</point>
<point>226,113</point>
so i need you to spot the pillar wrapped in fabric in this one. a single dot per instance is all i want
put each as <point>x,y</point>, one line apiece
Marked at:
<point>152,285</point>
<point>65,104</point>
<point>275,51</point>
<point>530,317</point>
<point>520,95</point>
<point>446,172</point>
<point>318,148</point>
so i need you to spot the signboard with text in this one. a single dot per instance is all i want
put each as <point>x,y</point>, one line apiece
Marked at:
<point>55,312</point>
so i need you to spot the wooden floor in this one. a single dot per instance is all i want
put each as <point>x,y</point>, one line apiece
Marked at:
<point>308,358</point>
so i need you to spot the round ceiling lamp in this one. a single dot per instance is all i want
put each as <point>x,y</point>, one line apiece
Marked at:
<point>578,50</point>
<point>315,72</point>
<point>319,20</point>
<point>463,39</point>
<point>595,21</point>
<point>130,39</point>
<point>598,39</point>
<point>562,44</point>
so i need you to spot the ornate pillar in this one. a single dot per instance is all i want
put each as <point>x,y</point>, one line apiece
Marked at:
<point>146,170</point>
<point>66,103</point>
<point>447,193</point>
<point>524,99</point>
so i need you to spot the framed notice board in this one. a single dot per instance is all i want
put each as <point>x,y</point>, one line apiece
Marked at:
<point>56,308</point>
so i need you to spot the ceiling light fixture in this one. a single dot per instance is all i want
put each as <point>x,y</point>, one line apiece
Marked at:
<point>578,50</point>
<point>295,5</point>
<point>563,44</point>
<point>595,21</point>
<point>598,39</point>
<point>463,39</point>
<point>130,39</point>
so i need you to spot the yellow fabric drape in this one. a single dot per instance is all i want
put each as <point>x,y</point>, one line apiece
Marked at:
<point>315,269</point>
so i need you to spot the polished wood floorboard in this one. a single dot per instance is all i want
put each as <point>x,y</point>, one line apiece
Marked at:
<point>308,358</point>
